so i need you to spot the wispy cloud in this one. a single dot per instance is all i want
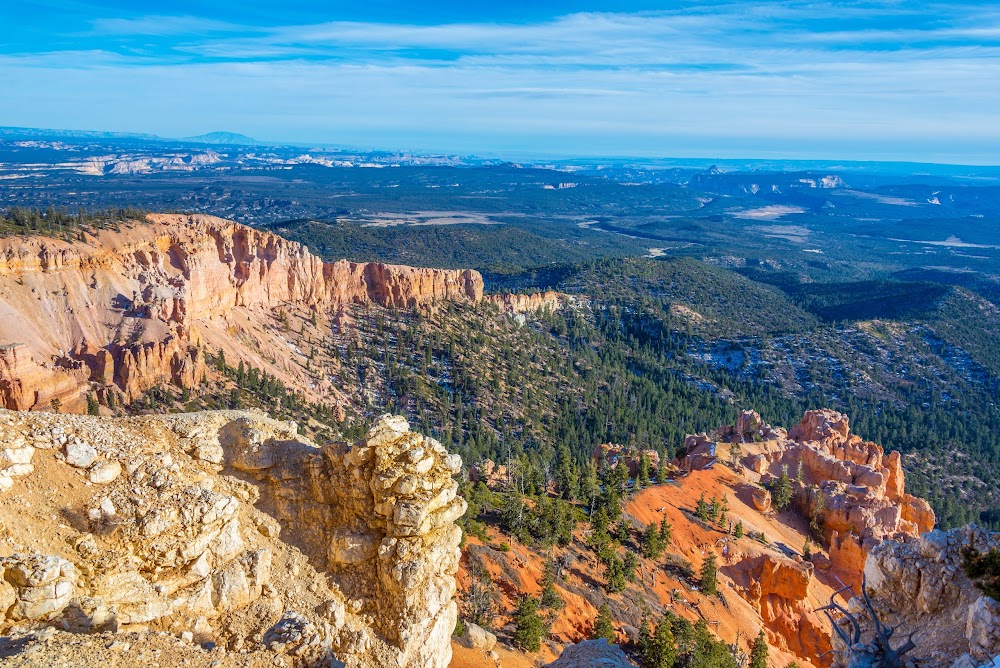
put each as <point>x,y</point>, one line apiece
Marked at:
<point>911,77</point>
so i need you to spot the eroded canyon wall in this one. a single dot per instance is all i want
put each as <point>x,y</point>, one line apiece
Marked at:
<point>134,308</point>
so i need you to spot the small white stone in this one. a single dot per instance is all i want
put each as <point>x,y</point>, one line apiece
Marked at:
<point>80,455</point>
<point>104,472</point>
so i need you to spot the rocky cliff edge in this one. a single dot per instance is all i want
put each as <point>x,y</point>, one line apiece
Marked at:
<point>136,307</point>
<point>228,529</point>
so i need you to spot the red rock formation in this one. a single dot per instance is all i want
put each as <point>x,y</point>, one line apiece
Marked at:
<point>613,454</point>
<point>852,487</point>
<point>779,590</point>
<point>25,384</point>
<point>131,309</point>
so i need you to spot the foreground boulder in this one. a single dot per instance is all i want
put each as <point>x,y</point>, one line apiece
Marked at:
<point>919,586</point>
<point>346,550</point>
<point>592,654</point>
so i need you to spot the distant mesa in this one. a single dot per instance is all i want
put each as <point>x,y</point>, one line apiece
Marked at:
<point>227,138</point>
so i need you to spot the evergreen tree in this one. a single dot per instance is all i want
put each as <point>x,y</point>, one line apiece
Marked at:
<point>758,655</point>
<point>708,652</point>
<point>599,536</point>
<point>983,568</point>
<point>781,492</point>
<point>709,576</point>
<point>589,486</point>
<point>738,531</point>
<point>614,570</point>
<point>604,626</point>
<point>529,626</point>
<point>478,600</point>
<point>567,480</point>
<point>652,545</point>
<point>661,649</point>
<point>629,565</point>
<point>550,597</point>
<point>666,532</point>
<point>642,477</point>
<point>701,508</point>
<point>713,511</point>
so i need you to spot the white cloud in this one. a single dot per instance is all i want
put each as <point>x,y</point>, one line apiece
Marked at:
<point>740,73</point>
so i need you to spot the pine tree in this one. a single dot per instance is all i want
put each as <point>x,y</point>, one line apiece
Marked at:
<point>758,655</point>
<point>589,486</point>
<point>645,643</point>
<point>661,649</point>
<point>642,478</point>
<point>529,627</point>
<point>652,545</point>
<point>478,600</point>
<point>723,511</point>
<point>567,480</point>
<point>738,531</point>
<point>666,532</point>
<point>550,597</point>
<point>604,626</point>
<point>709,576</point>
<point>629,565</point>
<point>781,492</point>
<point>701,508</point>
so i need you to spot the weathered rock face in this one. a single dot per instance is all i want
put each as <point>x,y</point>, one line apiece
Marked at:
<point>224,524</point>
<point>528,303</point>
<point>853,489</point>
<point>135,308</point>
<point>613,455</point>
<point>778,589</point>
<point>592,654</point>
<point>920,587</point>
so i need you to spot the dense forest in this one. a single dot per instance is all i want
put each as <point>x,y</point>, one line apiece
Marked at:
<point>630,368</point>
<point>59,223</point>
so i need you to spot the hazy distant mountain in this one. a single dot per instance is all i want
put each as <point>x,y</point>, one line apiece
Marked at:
<point>229,138</point>
<point>35,133</point>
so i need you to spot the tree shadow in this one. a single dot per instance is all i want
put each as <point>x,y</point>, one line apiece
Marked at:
<point>12,647</point>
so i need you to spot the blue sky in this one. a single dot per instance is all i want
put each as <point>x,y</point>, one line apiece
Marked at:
<point>841,80</point>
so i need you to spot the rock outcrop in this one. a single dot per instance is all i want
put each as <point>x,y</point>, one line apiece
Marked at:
<point>135,308</point>
<point>778,588</point>
<point>919,586</point>
<point>592,654</point>
<point>852,490</point>
<point>231,528</point>
<point>528,303</point>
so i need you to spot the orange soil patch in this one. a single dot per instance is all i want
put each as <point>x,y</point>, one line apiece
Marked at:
<point>733,617</point>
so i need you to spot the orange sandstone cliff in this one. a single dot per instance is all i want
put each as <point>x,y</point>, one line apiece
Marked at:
<point>135,308</point>
<point>851,490</point>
